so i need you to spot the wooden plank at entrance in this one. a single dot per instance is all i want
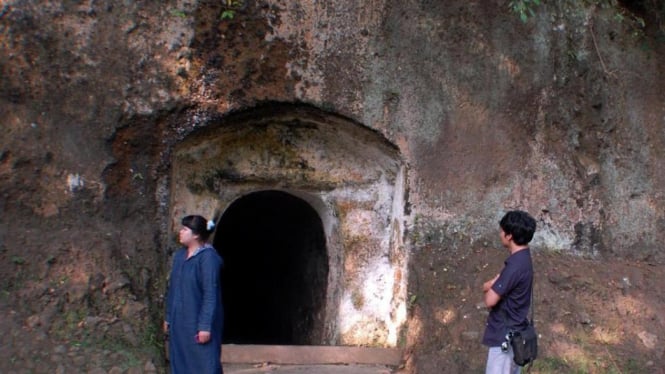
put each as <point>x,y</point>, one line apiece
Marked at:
<point>310,355</point>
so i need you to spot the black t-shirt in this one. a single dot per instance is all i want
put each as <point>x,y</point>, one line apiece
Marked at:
<point>514,286</point>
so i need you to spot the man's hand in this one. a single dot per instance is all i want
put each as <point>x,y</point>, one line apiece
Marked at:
<point>488,285</point>
<point>204,337</point>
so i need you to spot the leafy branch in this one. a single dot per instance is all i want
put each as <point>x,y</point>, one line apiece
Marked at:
<point>524,8</point>
<point>230,8</point>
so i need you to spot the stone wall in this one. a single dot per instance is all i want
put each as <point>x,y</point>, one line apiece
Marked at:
<point>466,111</point>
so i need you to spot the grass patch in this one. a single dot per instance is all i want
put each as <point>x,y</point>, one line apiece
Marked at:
<point>129,356</point>
<point>119,346</point>
<point>633,366</point>
<point>67,326</point>
<point>152,339</point>
<point>550,365</point>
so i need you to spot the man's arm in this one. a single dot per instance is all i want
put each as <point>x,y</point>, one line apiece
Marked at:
<point>490,296</point>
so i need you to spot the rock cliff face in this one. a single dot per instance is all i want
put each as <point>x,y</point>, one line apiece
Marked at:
<point>453,112</point>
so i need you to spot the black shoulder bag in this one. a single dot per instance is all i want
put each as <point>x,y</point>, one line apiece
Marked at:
<point>525,341</point>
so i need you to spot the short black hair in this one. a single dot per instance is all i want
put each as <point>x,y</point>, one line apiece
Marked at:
<point>520,225</point>
<point>198,225</point>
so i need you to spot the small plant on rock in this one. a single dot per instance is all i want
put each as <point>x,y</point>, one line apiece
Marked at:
<point>524,8</point>
<point>230,8</point>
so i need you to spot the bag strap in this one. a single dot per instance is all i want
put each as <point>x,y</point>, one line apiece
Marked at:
<point>533,321</point>
<point>533,284</point>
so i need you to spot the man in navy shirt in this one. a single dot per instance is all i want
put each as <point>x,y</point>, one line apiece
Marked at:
<point>508,295</point>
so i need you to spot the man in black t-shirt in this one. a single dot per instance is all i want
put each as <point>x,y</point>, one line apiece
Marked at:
<point>508,295</point>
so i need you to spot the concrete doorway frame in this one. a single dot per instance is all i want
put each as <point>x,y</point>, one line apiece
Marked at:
<point>349,174</point>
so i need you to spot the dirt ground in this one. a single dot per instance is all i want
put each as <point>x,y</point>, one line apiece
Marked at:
<point>592,315</point>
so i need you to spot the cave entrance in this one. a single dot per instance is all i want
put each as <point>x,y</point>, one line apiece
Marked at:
<point>312,208</point>
<point>276,270</point>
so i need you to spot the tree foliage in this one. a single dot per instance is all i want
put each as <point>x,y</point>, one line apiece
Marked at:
<point>524,8</point>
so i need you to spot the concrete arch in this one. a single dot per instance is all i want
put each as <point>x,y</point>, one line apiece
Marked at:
<point>350,175</point>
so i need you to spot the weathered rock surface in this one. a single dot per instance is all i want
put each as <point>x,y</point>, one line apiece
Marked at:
<point>561,116</point>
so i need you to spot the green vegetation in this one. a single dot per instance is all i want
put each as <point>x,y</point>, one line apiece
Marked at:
<point>524,8</point>
<point>634,12</point>
<point>597,364</point>
<point>178,13</point>
<point>228,14</point>
<point>130,357</point>
<point>151,338</point>
<point>71,330</point>
<point>230,8</point>
<point>51,260</point>
<point>551,365</point>
<point>412,301</point>
<point>68,325</point>
<point>635,366</point>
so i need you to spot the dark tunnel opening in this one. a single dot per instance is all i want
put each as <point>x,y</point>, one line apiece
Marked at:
<point>275,270</point>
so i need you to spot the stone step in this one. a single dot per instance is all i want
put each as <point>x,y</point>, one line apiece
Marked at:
<point>310,355</point>
<point>305,369</point>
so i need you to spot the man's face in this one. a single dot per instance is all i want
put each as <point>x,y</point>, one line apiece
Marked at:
<point>505,238</point>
